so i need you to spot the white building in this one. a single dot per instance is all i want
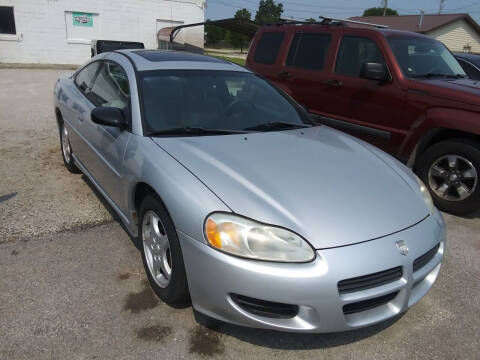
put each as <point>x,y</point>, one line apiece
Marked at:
<point>60,31</point>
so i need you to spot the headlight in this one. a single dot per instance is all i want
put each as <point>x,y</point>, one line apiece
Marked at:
<point>247,238</point>
<point>426,195</point>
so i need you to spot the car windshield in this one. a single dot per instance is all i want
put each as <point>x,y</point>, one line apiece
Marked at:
<point>204,102</point>
<point>420,57</point>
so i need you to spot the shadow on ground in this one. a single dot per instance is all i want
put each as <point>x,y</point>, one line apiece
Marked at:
<point>298,341</point>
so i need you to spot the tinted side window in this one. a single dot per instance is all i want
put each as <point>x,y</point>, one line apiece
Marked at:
<point>308,50</point>
<point>355,51</point>
<point>268,46</point>
<point>85,77</point>
<point>110,87</point>
<point>471,72</point>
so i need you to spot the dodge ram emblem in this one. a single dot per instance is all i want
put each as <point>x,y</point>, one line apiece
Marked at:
<point>402,247</point>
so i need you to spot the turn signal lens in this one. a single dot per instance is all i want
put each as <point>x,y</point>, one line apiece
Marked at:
<point>247,238</point>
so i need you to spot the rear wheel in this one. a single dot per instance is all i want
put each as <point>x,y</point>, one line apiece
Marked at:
<point>161,253</point>
<point>67,150</point>
<point>451,171</point>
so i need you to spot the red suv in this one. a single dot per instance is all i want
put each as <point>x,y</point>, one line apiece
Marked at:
<point>403,92</point>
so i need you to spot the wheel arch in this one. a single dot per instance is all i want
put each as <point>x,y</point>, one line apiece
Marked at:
<point>437,135</point>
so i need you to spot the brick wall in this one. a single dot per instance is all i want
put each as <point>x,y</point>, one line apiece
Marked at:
<point>42,27</point>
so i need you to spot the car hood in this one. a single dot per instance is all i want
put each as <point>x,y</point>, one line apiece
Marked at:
<point>326,186</point>
<point>461,90</point>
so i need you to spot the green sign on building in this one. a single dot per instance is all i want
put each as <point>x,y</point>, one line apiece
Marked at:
<point>82,19</point>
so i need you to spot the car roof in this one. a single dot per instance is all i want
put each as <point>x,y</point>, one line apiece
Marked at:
<point>146,60</point>
<point>470,57</point>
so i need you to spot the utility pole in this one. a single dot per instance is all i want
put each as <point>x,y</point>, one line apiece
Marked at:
<point>441,7</point>
<point>385,5</point>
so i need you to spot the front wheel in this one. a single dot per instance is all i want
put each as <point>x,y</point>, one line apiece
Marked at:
<point>451,170</point>
<point>161,252</point>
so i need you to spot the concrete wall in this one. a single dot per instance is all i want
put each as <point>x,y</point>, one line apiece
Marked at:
<point>457,35</point>
<point>46,34</point>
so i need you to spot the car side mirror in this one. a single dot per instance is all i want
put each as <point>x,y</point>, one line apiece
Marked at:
<point>109,116</point>
<point>375,71</point>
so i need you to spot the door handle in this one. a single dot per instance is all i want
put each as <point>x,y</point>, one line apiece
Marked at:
<point>333,83</point>
<point>285,75</point>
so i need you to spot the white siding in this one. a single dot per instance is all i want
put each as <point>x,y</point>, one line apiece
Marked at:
<point>457,35</point>
<point>42,27</point>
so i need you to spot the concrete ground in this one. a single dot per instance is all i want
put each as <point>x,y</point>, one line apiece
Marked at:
<point>72,284</point>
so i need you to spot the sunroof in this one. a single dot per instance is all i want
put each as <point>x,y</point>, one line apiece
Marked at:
<point>175,56</point>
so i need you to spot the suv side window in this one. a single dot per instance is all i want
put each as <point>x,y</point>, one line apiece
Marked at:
<point>85,77</point>
<point>308,50</point>
<point>354,52</point>
<point>110,87</point>
<point>268,47</point>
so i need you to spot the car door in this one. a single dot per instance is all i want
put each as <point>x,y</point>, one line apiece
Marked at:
<point>76,110</point>
<point>304,71</point>
<point>110,89</point>
<point>369,109</point>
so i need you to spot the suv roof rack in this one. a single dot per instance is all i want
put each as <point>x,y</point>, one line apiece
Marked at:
<point>329,21</point>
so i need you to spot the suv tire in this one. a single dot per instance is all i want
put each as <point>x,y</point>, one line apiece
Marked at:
<point>450,165</point>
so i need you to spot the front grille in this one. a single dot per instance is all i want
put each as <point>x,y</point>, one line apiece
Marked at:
<point>368,304</point>
<point>423,260</point>
<point>370,281</point>
<point>265,308</point>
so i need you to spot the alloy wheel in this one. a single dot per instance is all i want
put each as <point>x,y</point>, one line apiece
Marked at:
<point>66,145</point>
<point>452,177</point>
<point>157,249</point>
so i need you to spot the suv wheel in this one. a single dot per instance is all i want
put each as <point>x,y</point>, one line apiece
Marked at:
<point>451,170</point>
<point>161,253</point>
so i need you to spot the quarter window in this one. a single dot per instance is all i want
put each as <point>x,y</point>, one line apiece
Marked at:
<point>471,72</point>
<point>268,47</point>
<point>7,20</point>
<point>85,77</point>
<point>110,87</point>
<point>308,50</point>
<point>354,52</point>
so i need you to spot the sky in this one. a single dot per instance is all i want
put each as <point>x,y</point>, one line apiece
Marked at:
<point>302,9</point>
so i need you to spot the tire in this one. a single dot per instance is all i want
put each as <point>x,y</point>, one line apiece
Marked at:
<point>66,149</point>
<point>171,286</point>
<point>465,175</point>
<point>206,320</point>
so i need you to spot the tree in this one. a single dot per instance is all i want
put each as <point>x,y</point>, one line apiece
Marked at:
<point>214,34</point>
<point>378,11</point>
<point>268,12</point>
<point>236,39</point>
<point>312,20</point>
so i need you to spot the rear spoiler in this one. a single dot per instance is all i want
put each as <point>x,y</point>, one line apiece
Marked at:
<point>101,46</point>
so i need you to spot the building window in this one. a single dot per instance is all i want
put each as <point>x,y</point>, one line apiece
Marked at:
<point>7,21</point>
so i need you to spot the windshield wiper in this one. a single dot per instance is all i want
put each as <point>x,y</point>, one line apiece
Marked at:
<point>187,130</point>
<point>429,75</point>
<point>276,125</point>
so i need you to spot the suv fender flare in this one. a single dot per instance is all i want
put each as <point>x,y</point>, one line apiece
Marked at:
<point>433,121</point>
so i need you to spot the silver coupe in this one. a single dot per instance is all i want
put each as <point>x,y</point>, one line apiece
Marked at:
<point>243,204</point>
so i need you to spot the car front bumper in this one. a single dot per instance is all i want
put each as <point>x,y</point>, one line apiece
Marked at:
<point>313,287</point>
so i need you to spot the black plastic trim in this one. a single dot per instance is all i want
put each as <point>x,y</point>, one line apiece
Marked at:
<point>368,304</point>
<point>265,308</point>
<point>344,125</point>
<point>370,281</point>
<point>423,260</point>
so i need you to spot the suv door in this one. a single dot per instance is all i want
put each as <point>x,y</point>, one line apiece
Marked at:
<point>369,109</point>
<point>304,71</point>
<point>110,89</point>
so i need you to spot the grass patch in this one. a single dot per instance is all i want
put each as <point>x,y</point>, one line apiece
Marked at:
<point>231,59</point>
